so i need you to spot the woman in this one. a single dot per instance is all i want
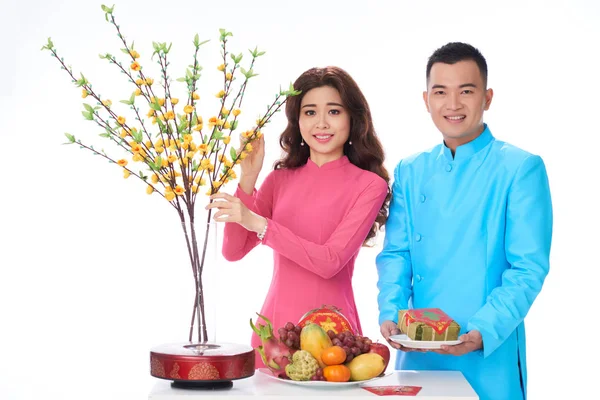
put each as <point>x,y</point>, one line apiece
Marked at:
<point>326,197</point>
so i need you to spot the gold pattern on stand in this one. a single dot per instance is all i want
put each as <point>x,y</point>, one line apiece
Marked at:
<point>157,368</point>
<point>175,372</point>
<point>203,371</point>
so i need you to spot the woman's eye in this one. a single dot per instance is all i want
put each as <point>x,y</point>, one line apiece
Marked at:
<point>310,112</point>
<point>334,112</point>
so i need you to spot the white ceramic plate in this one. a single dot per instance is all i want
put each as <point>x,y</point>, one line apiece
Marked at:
<point>421,344</point>
<point>268,373</point>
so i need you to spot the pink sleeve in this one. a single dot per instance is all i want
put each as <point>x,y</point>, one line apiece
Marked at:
<point>237,240</point>
<point>328,259</point>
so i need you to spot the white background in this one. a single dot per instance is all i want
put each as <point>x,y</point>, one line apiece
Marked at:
<point>94,272</point>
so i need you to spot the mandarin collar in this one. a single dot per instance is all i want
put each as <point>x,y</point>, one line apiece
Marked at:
<point>340,162</point>
<point>468,149</point>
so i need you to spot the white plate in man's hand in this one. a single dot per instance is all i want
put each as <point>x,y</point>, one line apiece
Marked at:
<point>405,341</point>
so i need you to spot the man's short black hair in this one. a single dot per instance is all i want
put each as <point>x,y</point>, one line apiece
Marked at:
<point>454,52</point>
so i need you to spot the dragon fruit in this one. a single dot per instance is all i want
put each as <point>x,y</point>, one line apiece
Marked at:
<point>274,353</point>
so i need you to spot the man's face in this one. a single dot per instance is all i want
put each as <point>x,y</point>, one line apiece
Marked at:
<point>456,99</point>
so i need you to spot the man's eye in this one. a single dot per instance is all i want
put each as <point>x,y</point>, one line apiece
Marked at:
<point>467,91</point>
<point>438,92</point>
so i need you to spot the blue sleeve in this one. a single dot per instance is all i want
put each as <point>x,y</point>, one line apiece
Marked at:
<point>527,244</point>
<point>393,263</point>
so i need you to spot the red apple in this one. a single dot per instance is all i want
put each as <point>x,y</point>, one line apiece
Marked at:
<point>383,351</point>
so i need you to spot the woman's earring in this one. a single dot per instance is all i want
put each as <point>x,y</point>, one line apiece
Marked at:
<point>350,142</point>
<point>301,142</point>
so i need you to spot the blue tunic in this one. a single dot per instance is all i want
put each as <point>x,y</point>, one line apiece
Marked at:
<point>469,234</point>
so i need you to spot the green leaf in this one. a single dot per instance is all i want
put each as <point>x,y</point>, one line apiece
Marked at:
<point>218,135</point>
<point>181,80</point>
<point>70,137</point>
<point>196,40</point>
<point>88,115</point>
<point>137,136</point>
<point>125,51</point>
<point>169,48</point>
<point>203,42</point>
<point>159,162</point>
<point>105,135</point>
<point>88,107</point>
<point>234,125</point>
<point>132,98</point>
<point>125,102</point>
<point>233,154</point>
<point>154,106</point>
<point>195,165</point>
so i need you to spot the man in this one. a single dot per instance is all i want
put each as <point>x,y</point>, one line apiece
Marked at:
<point>469,232</point>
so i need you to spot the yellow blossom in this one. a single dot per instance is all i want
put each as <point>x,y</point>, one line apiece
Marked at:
<point>195,96</point>
<point>199,119</point>
<point>237,112</point>
<point>159,143</point>
<point>187,138</point>
<point>135,66</point>
<point>221,67</point>
<point>149,189</point>
<point>134,54</point>
<point>198,127</point>
<point>228,76</point>
<point>243,155</point>
<point>135,147</point>
<point>170,196</point>
<point>172,158</point>
<point>227,125</point>
<point>124,133</point>
<point>121,120</point>
<point>260,122</point>
<point>165,162</point>
<point>122,162</point>
<point>138,92</point>
<point>209,192</point>
<point>203,148</point>
<point>107,102</point>
<point>220,94</point>
<point>185,145</point>
<point>212,121</point>
<point>194,189</point>
<point>151,113</point>
<point>174,100</point>
<point>188,109</point>
<point>179,190</point>
<point>126,174</point>
<point>148,144</point>
<point>224,111</point>
<point>217,184</point>
<point>139,82</point>
<point>227,139</point>
<point>137,157</point>
<point>249,147</point>
<point>149,81</point>
<point>220,122</point>
<point>159,150</point>
<point>170,115</point>
<point>154,178</point>
<point>84,93</point>
<point>231,174</point>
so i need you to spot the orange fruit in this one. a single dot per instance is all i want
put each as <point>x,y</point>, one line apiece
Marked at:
<point>336,373</point>
<point>333,355</point>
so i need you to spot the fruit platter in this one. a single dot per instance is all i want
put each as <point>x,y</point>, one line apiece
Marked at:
<point>305,353</point>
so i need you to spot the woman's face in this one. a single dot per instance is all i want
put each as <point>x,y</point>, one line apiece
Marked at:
<point>324,124</point>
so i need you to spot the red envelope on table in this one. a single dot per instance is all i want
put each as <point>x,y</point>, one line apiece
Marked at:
<point>394,390</point>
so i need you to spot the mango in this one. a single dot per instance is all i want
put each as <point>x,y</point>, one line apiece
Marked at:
<point>314,339</point>
<point>366,366</point>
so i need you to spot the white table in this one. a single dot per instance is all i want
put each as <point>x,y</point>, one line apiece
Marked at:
<point>437,385</point>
